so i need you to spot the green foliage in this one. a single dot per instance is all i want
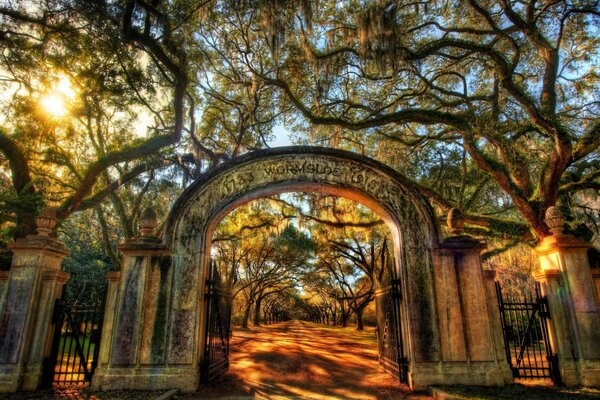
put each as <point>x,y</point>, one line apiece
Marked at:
<point>328,249</point>
<point>87,262</point>
<point>13,204</point>
<point>514,270</point>
<point>260,254</point>
<point>491,99</point>
<point>291,239</point>
<point>482,112</point>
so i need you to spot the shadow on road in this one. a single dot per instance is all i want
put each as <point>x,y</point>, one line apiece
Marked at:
<point>300,360</point>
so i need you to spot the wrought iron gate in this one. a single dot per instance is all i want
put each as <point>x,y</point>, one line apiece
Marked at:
<point>391,349</point>
<point>216,347</point>
<point>525,328</point>
<point>75,344</point>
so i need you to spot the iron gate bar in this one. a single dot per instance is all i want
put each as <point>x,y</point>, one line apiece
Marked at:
<point>77,329</point>
<point>78,348</point>
<point>216,349</point>
<point>391,347</point>
<point>522,342</point>
<point>526,339</point>
<point>402,360</point>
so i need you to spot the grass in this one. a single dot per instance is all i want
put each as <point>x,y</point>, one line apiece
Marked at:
<point>367,336</point>
<point>69,343</point>
<point>520,391</point>
<point>68,366</point>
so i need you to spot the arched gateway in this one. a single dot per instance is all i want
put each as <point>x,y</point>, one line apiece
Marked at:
<point>155,324</point>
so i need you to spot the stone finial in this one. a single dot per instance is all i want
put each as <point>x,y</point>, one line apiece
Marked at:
<point>148,222</point>
<point>555,220</point>
<point>456,222</point>
<point>46,221</point>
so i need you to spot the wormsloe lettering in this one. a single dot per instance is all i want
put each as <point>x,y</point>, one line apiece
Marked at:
<point>304,168</point>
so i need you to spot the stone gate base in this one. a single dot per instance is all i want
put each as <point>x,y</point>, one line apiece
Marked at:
<point>184,378</point>
<point>187,379</point>
<point>479,373</point>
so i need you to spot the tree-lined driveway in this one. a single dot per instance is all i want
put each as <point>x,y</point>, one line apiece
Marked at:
<point>305,361</point>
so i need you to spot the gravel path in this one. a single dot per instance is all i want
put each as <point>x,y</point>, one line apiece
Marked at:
<point>300,360</point>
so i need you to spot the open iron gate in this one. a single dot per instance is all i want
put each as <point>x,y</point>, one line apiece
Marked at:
<point>216,348</point>
<point>75,344</point>
<point>526,339</point>
<point>391,348</point>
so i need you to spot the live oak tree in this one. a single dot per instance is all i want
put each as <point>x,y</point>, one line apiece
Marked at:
<point>283,306</point>
<point>334,281</point>
<point>123,71</point>
<point>259,254</point>
<point>272,267</point>
<point>352,252</point>
<point>488,106</point>
<point>509,86</point>
<point>370,259</point>
<point>267,248</point>
<point>143,96</point>
<point>236,110</point>
<point>117,64</point>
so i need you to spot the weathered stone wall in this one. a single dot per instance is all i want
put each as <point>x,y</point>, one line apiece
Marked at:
<point>567,281</point>
<point>137,325</point>
<point>26,306</point>
<point>470,332</point>
<point>153,333</point>
<point>3,281</point>
<point>596,276</point>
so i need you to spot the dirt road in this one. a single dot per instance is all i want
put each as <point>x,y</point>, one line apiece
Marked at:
<point>300,360</point>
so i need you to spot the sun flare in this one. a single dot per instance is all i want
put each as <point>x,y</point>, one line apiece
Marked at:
<point>55,101</point>
<point>54,105</point>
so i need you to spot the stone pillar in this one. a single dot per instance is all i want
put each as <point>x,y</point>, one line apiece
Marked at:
<point>567,281</point>
<point>136,326</point>
<point>34,283</point>
<point>469,324</point>
<point>489,279</point>
<point>108,325</point>
<point>3,282</point>
<point>596,276</point>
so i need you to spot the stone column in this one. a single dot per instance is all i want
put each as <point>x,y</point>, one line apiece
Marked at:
<point>3,282</point>
<point>136,326</point>
<point>596,276</point>
<point>472,350</point>
<point>34,283</point>
<point>567,281</point>
<point>108,324</point>
<point>489,279</point>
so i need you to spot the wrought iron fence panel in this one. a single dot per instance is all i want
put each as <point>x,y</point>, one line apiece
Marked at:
<point>216,349</point>
<point>525,328</point>
<point>391,347</point>
<point>75,345</point>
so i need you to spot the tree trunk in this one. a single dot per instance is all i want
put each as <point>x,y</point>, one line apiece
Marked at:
<point>344,319</point>
<point>257,306</point>
<point>359,320</point>
<point>23,185</point>
<point>246,315</point>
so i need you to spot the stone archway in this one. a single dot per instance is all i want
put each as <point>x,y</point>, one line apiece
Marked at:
<point>154,325</point>
<point>260,174</point>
